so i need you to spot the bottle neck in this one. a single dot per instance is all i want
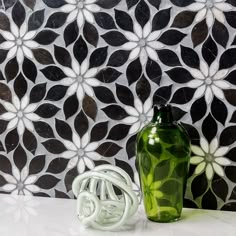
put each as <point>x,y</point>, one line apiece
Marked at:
<point>162,115</point>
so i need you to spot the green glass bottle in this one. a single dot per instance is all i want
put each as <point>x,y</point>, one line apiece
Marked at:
<point>163,153</point>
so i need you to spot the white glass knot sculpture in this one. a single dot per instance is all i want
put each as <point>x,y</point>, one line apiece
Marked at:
<point>98,204</point>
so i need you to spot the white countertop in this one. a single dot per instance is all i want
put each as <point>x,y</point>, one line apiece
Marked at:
<point>35,216</point>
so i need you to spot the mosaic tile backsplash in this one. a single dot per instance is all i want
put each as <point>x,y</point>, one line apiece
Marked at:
<point>79,77</point>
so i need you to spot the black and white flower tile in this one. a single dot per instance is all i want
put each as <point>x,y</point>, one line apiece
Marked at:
<point>78,79</point>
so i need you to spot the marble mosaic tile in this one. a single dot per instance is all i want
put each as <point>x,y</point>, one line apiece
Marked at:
<point>78,79</point>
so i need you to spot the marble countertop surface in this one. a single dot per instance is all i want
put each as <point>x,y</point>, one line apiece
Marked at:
<point>36,216</point>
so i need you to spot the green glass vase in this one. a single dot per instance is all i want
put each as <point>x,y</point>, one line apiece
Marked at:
<point>163,153</point>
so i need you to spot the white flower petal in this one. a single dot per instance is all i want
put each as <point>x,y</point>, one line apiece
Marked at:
<point>196,6</point>
<point>135,127</point>
<point>204,145</point>
<point>153,35</point>
<point>9,178</point>
<point>24,102</point>
<point>131,111</point>
<point>81,166</point>
<point>195,160</point>
<point>32,116</point>
<point>80,93</point>
<point>209,18</point>
<point>196,74</point>
<point>30,108</point>
<point>88,89</point>
<point>219,15</point>
<point>29,35</point>
<point>143,56</point>
<point>28,124</point>
<point>68,8</point>
<point>12,52</point>
<point>134,53</point>
<point>138,105</point>
<point>27,52</point>
<point>200,91</point>
<point>220,74</point>
<point>151,53</point>
<point>7,45</point>
<point>147,29</point>
<point>8,116</point>
<point>209,172</point>
<point>68,154</point>
<point>89,163</point>
<point>15,29</point>
<point>85,140</point>
<point>222,84</point>
<point>91,73</point>
<point>129,45</point>
<point>72,16</point>
<point>138,30</point>
<point>67,81</point>
<point>9,106</point>
<point>72,163</point>
<point>9,187</point>
<point>93,82</point>
<point>93,7</point>
<point>24,173</point>
<point>204,68</point>
<point>80,19</point>
<point>31,179</point>
<point>221,151</point>
<point>222,6</point>
<point>197,150</point>
<point>20,127</point>
<point>7,35</point>
<point>208,95</point>
<point>72,89</point>
<point>76,140</point>
<point>147,105</point>
<point>84,66</point>
<point>222,161</point>
<point>214,145</point>
<point>19,55</point>
<point>131,36</point>
<point>88,16</point>
<point>23,29</point>
<point>217,92</point>
<point>218,169</point>
<point>31,44</point>
<point>200,168</point>
<point>16,173</point>
<point>91,147</point>
<point>69,145</point>
<point>75,67</point>
<point>69,72</point>
<point>130,120</point>
<point>12,123</point>
<point>94,156</point>
<point>32,188</point>
<point>155,44</point>
<point>90,1</point>
<point>201,15</point>
<point>194,83</point>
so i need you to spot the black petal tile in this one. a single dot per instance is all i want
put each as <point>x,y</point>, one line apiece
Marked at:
<point>231,155</point>
<point>134,71</point>
<point>104,94</point>
<point>70,106</point>
<point>104,20</point>
<point>47,110</point>
<point>29,69</point>
<point>199,185</point>
<point>124,20</point>
<point>19,157</point>
<point>37,164</point>
<point>161,19</point>
<point>168,57</point>
<point>54,146</point>
<point>69,178</point>
<point>18,14</point>
<point>37,93</point>
<point>71,33</point>
<point>80,50</point>
<point>172,37</point>
<point>8,3</point>
<point>56,20</point>
<point>36,20</point>
<point>5,165</point>
<point>180,75</point>
<point>57,166</point>
<point>114,38</point>
<point>199,33</point>
<point>219,187</point>
<point>155,3</point>
<point>228,58</point>
<point>98,57</point>
<point>124,95</point>
<point>209,50</point>
<point>192,132</point>
<point>99,131</point>
<point>209,128</point>
<point>91,34</point>
<point>53,73</point>
<point>43,129</point>
<point>182,3</point>
<point>184,19</point>
<point>118,58</point>
<point>46,37</point>
<point>3,126</point>
<point>20,86</point>
<point>143,89</point>
<point>126,167</point>
<point>3,55</point>
<point>56,93</point>
<point>59,194</point>
<point>54,4</point>
<point>81,124</point>
<point>62,56</point>
<point>190,57</point>
<point>230,17</point>
<point>162,95</point>
<point>5,92</point>
<point>209,200</point>
<point>233,118</point>
<point>178,113</point>
<point>108,149</point>
<point>230,172</point>
<point>4,22</point>
<point>219,110</point>
<point>43,56</point>
<point>131,3</point>
<point>47,181</point>
<point>63,129</point>
<point>130,146</point>
<point>142,13</point>
<point>107,4</point>
<point>108,75</point>
<point>11,140</point>
<point>220,33</point>
<point>11,69</point>
<point>30,141</point>
<point>183,95</point>
<point>118,132</point>
<point>230,96</point>
<point>153,71</point>
<point>30,3</point>
<point>232,2</point>
<point>90,107</point>
<point>198,110</point>
<point>228,136</point>
<point>115,112</point>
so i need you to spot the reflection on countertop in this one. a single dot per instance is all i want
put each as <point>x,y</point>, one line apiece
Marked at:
<point>36,216</point>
